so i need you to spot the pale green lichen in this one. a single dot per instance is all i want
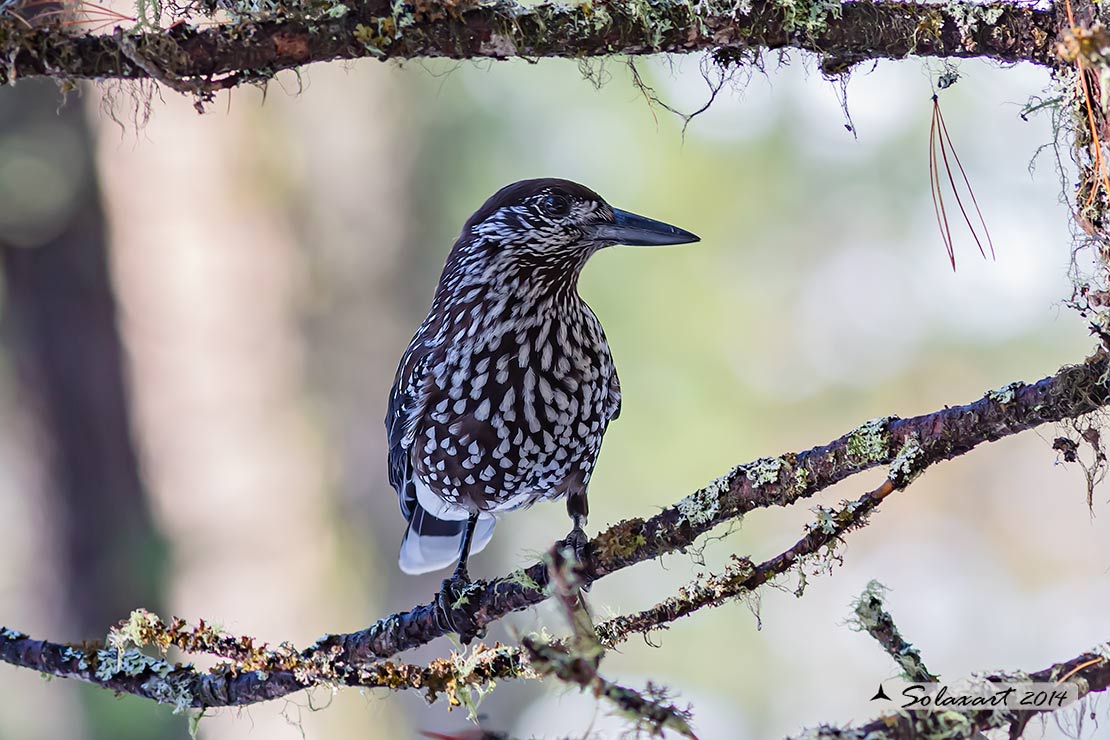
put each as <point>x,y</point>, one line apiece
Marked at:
<point>831,521</point>
<point>970,17</point>
<point>909,662</point>
<point>809,18</point>
<point>171,689</point>
<point>10,634</point>
<point>908,463</point>
<point>869,442</point>
<point>800,478</point>
<point>765,470</point>
<point>115,662</point>
<point>597,17</point>
<point>870,616</point>
<point>826,520</point>
<point>521,578</point>
<point>1006,394</point>
<point>702,506</point>
<point>80,656</point>
<point>868,608</point>
<point>465,593</point>
<point>470,689</point>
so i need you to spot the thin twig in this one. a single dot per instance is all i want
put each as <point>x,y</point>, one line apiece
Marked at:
<point>873,618</point>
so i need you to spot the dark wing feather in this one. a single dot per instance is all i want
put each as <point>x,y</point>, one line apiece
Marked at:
<point>404,405</point>
<point>615,395</point>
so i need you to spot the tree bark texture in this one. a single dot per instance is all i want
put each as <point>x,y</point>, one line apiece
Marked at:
<point>254,47</point>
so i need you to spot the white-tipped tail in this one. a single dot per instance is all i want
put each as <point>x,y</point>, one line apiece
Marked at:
<point>433,544</point>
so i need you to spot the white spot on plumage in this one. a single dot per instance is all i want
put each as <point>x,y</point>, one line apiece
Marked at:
<point>546,391</point>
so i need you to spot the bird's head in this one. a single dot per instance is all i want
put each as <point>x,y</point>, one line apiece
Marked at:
<point>549,228</point>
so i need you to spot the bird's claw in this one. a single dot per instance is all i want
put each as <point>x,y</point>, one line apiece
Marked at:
<point>452,595</point>
<point>578,543</point>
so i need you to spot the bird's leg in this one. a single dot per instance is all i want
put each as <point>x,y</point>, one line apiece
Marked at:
<point>577,509</point>
<point>577,541</point>
<point>460,575</point>
<point>452,588</point>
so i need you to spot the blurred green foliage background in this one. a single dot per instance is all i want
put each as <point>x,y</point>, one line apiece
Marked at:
<point>269,260</point>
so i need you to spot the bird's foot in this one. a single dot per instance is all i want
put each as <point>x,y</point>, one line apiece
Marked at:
<point>577,543</point>
<point>453,595</point>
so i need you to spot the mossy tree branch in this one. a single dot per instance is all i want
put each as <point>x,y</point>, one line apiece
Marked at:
<point>454,678</point>
<point>873,618</point>
<point>249,48</point>
<point>1088,672</point>
<point>906,446</point>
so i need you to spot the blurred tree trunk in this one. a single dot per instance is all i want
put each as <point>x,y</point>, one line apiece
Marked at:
<point>59,329</point>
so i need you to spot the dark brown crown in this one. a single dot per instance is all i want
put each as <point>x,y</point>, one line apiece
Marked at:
<point>520,192</point>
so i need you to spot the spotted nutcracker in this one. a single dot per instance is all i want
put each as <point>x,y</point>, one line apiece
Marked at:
<point>503,395</point>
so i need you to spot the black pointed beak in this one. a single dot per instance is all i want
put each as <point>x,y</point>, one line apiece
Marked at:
<point>638,231</point>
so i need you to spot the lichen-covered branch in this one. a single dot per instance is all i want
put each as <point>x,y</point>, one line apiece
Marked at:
<point>742,576</point>
<point>575,661</point>
<point>459,678</point>
<point>905,446</point>
<point>873,618</point>
<point>1090,672</point>
<point>252,47</point>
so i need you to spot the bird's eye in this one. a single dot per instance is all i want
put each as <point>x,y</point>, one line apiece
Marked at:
<point>555,205</point>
